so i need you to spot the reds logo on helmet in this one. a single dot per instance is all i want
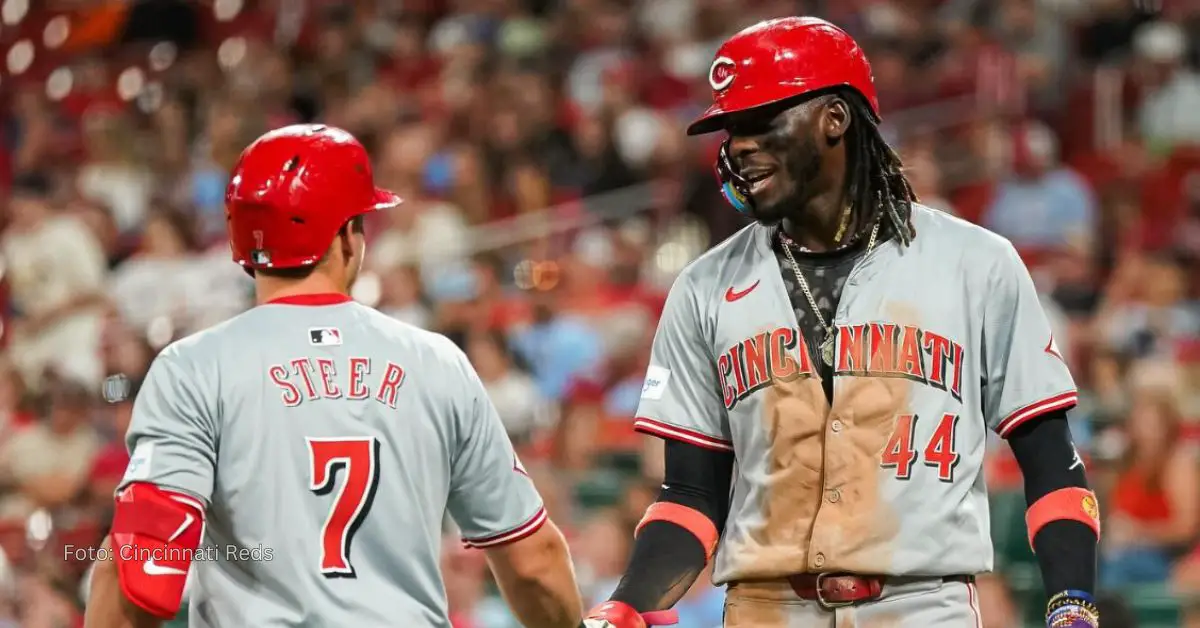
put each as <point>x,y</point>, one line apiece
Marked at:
<point>721,73</point>
<point>779,59</point>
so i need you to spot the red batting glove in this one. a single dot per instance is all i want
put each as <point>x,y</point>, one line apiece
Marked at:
<point>621,615</point>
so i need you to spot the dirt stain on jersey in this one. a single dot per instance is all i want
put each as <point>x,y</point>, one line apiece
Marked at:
<point>861,617</point>
<point>888,620</point>
<point>789,492</point>
<point>856,533</point>
<point>822,505</point>
<point>765,605</point>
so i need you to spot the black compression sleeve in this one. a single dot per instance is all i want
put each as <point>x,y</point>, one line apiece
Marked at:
<point>1066,550</point>
<point>667,558</point>
<point>698,478</point>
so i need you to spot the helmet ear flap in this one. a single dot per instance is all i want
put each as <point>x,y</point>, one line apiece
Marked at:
<point>734,188</point>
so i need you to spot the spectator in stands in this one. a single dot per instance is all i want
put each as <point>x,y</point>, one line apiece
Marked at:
<point>13,415</point>
<point>400,297</point>
<point>511,390</point>
<point>45,465</point>
<point>1148,312</point>
<point>156,283</point>
<point>422,230</point>
<point>1154,510</point>
<point>1185,583</point>
<point>10,615</point>
<point>600,553</point>
<point>126,351</point>
<point>56,270</point>
<point>599,403</point>
<point>44,605</point>
<point>110,461</point>
<point>453,288</point>
<point>1044,205</point>
<point>113,174</point>
<point>229,126</point>
<point>504,309</point>
<point>558,348</point>
<point>1168,113</point>
<point>925,174</point>
<point>465,580</point>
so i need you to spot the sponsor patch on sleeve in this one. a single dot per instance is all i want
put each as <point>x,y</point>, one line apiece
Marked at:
<point>139,462</point>
<point>656,382</point>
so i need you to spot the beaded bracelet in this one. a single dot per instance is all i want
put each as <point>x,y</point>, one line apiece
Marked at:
<point>1072,617</point>
<point>1072,609</point>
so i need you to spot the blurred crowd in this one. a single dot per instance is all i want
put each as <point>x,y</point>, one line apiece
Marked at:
<point>551,197</point>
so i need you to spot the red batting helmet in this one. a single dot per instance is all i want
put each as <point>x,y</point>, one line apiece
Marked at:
<point>781,58</point>
<point>292,190</point>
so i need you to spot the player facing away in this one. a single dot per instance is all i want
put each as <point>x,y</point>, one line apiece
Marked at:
<point>300,457</point>
<point>850,350</point>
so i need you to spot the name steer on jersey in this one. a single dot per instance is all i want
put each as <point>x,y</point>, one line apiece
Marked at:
<point>309,379</point>
<point>848,351</point>
<point>334,436</point>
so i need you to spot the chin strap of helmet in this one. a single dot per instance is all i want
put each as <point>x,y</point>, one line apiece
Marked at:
<point>735,189</point>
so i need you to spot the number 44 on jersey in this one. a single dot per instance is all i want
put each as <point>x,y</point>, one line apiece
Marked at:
<point>901,454</point>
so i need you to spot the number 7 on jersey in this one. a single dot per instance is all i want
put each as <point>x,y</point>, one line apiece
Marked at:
<point>358,458</point>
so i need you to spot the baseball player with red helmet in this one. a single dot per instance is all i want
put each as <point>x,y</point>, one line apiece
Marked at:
<point>849,350</point>
<point>299,459</point>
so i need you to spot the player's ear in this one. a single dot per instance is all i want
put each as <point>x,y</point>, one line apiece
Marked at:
<point>835,118</point>
<point>347,241</point>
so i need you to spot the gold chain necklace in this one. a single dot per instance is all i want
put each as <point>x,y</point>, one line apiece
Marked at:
<point>827,343</point>
<point>837,239</point>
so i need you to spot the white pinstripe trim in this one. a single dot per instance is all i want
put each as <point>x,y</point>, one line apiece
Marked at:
<point>973,601</point>
<point>664,430</point>
<point>1033,410</point>
<point>516,534</point>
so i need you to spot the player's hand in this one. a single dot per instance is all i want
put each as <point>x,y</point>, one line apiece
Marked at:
<point>620,615</point>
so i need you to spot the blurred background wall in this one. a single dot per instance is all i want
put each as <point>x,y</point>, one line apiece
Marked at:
<point>551,199</point>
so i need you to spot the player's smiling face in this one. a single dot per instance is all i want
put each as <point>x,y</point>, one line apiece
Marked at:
<point>777,150</point>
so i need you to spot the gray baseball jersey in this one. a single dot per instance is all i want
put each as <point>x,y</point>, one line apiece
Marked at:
<point>327,441</point>
<point>934,343</point>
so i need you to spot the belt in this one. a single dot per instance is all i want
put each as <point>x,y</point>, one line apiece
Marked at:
<point>836,590</point>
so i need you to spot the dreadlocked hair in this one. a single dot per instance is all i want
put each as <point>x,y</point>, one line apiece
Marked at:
<point>876,182</point>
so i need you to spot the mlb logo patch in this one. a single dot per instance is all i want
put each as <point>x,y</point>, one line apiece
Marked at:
<point>324,336</point>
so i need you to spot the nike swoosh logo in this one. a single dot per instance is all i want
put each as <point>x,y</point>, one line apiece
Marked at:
<point>154,569</point>
<point>186,523</point>
<point>1077,461</point>
<point>731,295</point>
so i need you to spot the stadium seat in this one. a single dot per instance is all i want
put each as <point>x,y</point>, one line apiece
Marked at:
<point>600,489</point>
